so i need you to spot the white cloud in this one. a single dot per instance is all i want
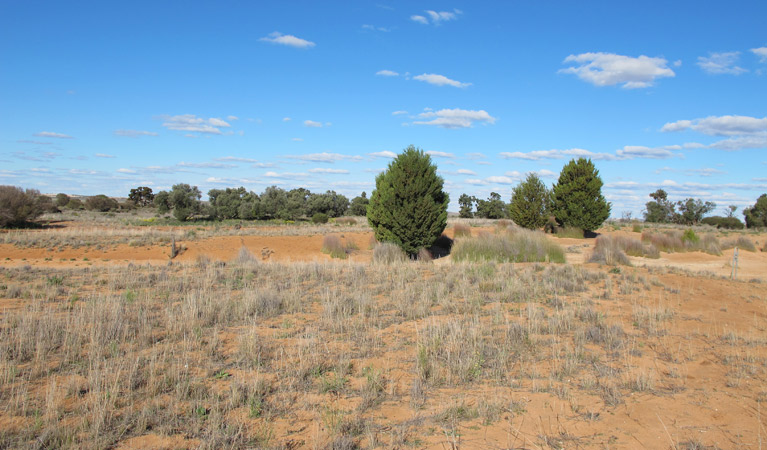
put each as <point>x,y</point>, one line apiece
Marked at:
<point>387,73</point>
<point>285,175</point>
<point>398,113</point>
<point>329,171</point>
<point>374,28</point>
<point>638,151</point>
<point>761,52</point>
<point>103,155</point>
<point>206,165</point>
<point>557,154</point>
<point>123,170</point>
<point>543,173</point>
<point>134,133</point>
<point>383,154</point>
<point>194,124</point>
<point>742,131</point>
<point>232,118</point>
<point>325,157</point>
<point>475,156</point>
<point>286,119</point>
<point>51,134</point>
<point>466,172</point>
<point>236,159</point>
<point>721,63</point>
<point>437,154</point>
<point>263,165</point>
<point>287,39</point>
<point>312,124</point>
<point>436,17</point>
<point>296,139</point>
<point>440,80</point>
<point>741,142</point>
<point>609,69</point>
<point>500,180</point>
<point>454,118</point>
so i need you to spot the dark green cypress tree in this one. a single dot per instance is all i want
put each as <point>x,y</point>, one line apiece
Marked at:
<point>577,196</point>
<point>530,203</point>
<point>408,206</point>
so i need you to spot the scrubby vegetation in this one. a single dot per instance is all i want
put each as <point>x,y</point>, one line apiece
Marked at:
<point>513,245</point>
<point>18,207</point>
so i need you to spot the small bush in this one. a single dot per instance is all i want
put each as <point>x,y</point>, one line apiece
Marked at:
<point>75,204</point>
<point>517,245</point>
<point>609,251</point>
<point>320,218</point>
<point>741,242</point>
<point>244,256</point>
<point>728,223</point>
<point>388,253</point>
<point>333,246</point>
<point>636,228</point>
<point>690,237</point>
<point>665,242</point>
<point>461,230</point>
<point>346,221</point>
<point>101,203</point>
<point>569,232</point>
<point>18,207</point>
<point>551,225</point>
<point>424,255</point>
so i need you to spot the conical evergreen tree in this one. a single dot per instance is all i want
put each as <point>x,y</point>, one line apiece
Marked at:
<point>530,203</point>
<point>408,206</point>
<point>577,196</point>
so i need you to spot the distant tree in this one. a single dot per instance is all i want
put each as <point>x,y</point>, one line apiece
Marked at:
<point>756,216</point>
<point>577,199</point>
<point>530,203</point>
<point>730,210</point>
<point>101,203</point>
<point>691,211</point>
<point>329,203</point>
<point>141,196</point>
<point>729,223</point>
<point>184,200</point>
<point>46,204</point>
<point>162,202</point>
<point>466,204</point>
<point>295,204</point>
<point>226,203</point>
<point>492,208</point>
<point>359,205</point>
<point>660,209</point>
<point>62,200</point>
<point>75,204</point>
<point>18,207</point>
<point>272,200</point>
<point>409,206</point>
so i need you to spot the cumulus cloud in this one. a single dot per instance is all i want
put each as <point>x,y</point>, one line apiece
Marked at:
<point>194,124</point>
<point>721,125</point>
<point>51,134</point>
<point>609,69</point>
<point>325,157</point>
<point>557,154</point>
<point>761,52</point>
<point>387,73</point>
<point>312,124</point>
<point>465,172</point>
<point>438,154</point>
<point>329,171</point>
<point>134,133</point>
<point>638,151</point>
<point>454,118</point>
<point>287,39</point>
<point>398,113</point>
<point>383,154</point>
<point>721,63</point>
<point>440,80</point>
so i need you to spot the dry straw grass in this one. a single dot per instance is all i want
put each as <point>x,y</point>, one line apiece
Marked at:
<point>614,250</point>
<point>514,245</point>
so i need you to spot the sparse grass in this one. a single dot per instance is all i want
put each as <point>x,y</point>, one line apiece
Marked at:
<point>517,245</point>
<point>613,250</point>
<point>742,242</point>
<point>569,232</point>
<point>675,241</point>
<point>388,253</point>
<point>461,230</point>
<point>336,248</point>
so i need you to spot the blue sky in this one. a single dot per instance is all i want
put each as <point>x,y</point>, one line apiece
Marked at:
<point>102,97</point>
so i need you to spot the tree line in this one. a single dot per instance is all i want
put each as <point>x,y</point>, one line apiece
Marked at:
<point>692,211</point>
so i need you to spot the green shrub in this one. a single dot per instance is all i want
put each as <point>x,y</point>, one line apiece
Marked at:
<point>409,206</point>
<point>18,207</point>
<point>320,218</point>
<point>689,236</point>
<point>636,228</point>
<point>728,223</point>
<point>75,204</point>
<point>517,245</point>
<point>101,203</point>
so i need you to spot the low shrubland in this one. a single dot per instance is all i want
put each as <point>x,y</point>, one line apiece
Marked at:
<point>614,250</point>
<point>680,241</point>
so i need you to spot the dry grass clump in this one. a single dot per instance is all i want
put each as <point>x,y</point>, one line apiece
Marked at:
<point>613,250</point>
<point>671,241</point>
<point>515,245</point>
<point>244,256</point>
<point>742,242</point>
<point>346,221</point>
<point>569,232</point>
<point>388,253</point>
<point>461,230</point>
<point>336,248</point>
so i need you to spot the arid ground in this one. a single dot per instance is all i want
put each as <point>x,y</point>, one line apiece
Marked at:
<point>252,337</point>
